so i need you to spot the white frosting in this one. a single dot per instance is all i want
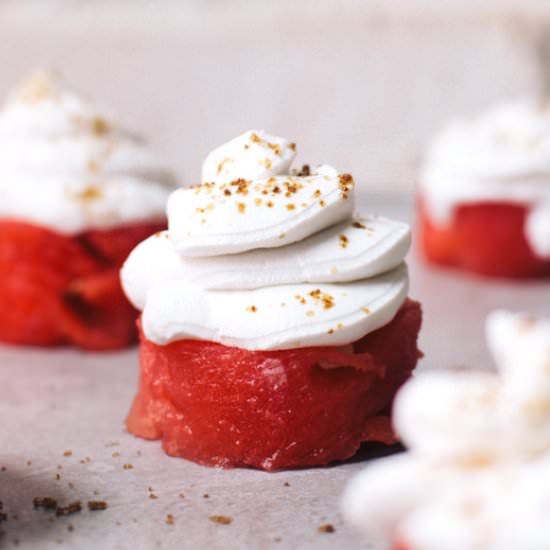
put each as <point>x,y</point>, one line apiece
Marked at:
<point>502,157</point>
<point>349,251</point>
<point>476,475</point>
<point>66,166</point>
<point>274,317</point>
<point>264,264</point>
<point>252,155</point>
<point>212,219</point>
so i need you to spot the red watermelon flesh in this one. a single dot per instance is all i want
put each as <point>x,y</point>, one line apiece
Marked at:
<point>227,407</point>
<point>487,238</point>
<point>57,289</point>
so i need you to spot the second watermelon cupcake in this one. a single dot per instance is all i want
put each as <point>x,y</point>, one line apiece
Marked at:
<point>484,200</point>
<point>78,193</point>
<point>276,326</point>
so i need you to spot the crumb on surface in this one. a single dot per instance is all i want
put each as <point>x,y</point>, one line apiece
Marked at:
<point>71,508</point>
<point>326,528</point>
<point>222,520</point>
<point>97,505</point>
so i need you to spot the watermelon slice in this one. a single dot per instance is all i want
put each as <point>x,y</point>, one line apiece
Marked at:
<point>57,289</point>
<point>227,407</point>
<point>487,238</point>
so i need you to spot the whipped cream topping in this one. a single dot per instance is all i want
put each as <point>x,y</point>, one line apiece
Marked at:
<point>351,250</point>
<point>269,263</point>
<point>225,218</point>
<point>504,156</point>
<point>252,155</point>
<point>67,166</point>
<point>476,473</point>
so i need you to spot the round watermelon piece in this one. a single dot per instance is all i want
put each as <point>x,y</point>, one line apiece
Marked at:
<point>65,290</point>
<point>486,238</point>
<point>228,407</point>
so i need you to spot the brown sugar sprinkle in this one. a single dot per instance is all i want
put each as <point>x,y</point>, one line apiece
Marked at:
<point>292,146</point>
<point>169,519</point>
<point>242,207</point>
<point>227,192</point>
<point>276,190</point>
<point>304,171</point>
<point>252,309</point>
<point>258,202</point>
<point>222,520</point>
<point>152,496</point>
<point>327,299</point>
<point>47,503</point>
<point>267,163</point>
<point>326,528</point>
<point>300,299</point>
<point>100,126</point>
<point>221,165</point>
<point>344,241</point>
<point>359,225</point>
<point>317,194</point>
<point>270,204</point>
<point>95,505</point>
<point>275,147</point>
<point>127,466</point>
<point>71,508</point>
<point>255,138</point>
<point>322,203</point>
<point>89,193</point>
<point>365,310</point>
<point>291,206</point>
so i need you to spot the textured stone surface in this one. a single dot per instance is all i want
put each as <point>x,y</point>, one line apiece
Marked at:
<point>57,401</point>
<point>361,84</point>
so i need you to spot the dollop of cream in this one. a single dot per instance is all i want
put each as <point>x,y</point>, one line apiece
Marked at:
<point>252,155</point>
<point>269,263</point>
<point>475,475</point>
<point>503,156</point>
<point>70,167</point>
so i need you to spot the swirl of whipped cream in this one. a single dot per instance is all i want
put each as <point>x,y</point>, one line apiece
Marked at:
<point>67,166</point>
<point>475,475</point>
<point>503,156</point>
<point>275,262</point>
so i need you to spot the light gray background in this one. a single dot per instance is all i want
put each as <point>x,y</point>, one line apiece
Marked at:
<point>361,84</point>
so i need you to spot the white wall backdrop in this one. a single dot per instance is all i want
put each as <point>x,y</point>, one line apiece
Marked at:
<point>359,84</point>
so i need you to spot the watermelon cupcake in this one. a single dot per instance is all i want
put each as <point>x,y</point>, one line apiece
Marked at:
<point>276,326</point>
<point>78,193</point>
<point>476,474</point>
<point>484,197</point>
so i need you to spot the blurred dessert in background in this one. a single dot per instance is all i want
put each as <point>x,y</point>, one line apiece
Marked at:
<point>484,194</point>
<point>276,326</point>
<point>78,193</point>
<point>476,473</point>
